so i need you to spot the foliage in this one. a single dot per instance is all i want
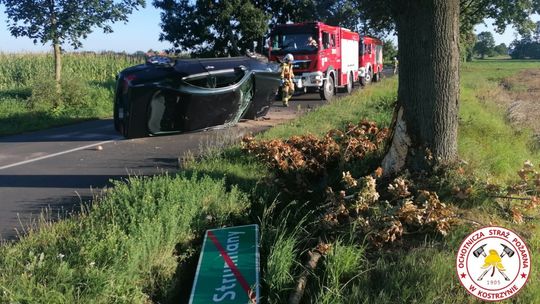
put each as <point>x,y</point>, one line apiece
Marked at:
<point>525,49</point>
<point>378,15</point>
<point>467,41</point>
<point>501,49</point>
<point>305,164</point>
<point>389,50</point>
<point>536,34</point>
<point>485,43</point>
<point>62,22</point>
<point>301,161</point>
<point>65,21</point>
<point>386,220</point>
<point>221,28</point>
<point>516,12</point>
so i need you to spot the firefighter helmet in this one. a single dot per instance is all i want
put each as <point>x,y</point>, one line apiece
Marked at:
<point>288,58</point>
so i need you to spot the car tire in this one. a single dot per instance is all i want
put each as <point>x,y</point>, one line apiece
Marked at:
<point>136,122</point>
<point>327,90</point>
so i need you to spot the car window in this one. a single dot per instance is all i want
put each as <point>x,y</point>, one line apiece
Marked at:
<point>326,40</point>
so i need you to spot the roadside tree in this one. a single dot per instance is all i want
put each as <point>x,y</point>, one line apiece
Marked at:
<point>66,21</point>
<point>229,27</point>
<point>426,118</point>
<point>212,28</point>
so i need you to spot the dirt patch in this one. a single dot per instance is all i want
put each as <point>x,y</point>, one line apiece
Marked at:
<point>522,99</point>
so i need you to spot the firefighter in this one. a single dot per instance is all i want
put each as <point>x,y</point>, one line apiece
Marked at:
<point>396,64</point>
<point>287,75</point>
<point>311,42</point>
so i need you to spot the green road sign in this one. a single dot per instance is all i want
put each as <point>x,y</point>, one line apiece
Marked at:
<point>228,270</point>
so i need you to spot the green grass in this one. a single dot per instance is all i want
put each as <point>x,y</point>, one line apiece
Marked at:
<point>493,148</point>
<point>374,103</point>
<point>29,101</point>
<point>140,242</point>
<point>130,247</point>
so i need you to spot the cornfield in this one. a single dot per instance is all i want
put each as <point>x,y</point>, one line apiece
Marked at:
<point>28,100</point>
<point>19,70</point>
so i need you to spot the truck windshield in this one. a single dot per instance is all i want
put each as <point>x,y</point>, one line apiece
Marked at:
<point>283,42</point>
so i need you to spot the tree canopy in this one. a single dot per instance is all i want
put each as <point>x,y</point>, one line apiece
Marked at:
<point>501,49</point>
<point>378,14</point>
<point>217,28</point>
<point>525,48</point>
<point>485,43</point>
<point>229,27</point>
<point>64,21</point>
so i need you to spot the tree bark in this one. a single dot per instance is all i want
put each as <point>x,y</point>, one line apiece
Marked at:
<point>425,132</point>
<point>56,47</point>
<point>57,62</point>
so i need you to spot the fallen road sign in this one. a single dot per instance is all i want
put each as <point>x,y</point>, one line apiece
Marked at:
<point>228,269</point>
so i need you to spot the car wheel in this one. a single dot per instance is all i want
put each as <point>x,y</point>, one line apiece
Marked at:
<point>136,118</point>
<point>327,92</point>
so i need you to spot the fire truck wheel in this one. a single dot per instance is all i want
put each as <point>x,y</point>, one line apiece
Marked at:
<point>366,79</point>
<point>327,91</point>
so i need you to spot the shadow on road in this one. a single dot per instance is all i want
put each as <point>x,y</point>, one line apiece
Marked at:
<point>57,181</point>
<point>95,130</point>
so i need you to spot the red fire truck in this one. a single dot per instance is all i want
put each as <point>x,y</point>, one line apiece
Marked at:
<point>370,59</point>
<point>325,57</point>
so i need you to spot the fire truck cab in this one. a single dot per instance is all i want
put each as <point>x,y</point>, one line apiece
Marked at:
<point>325,57</point>
<point>370,59</point>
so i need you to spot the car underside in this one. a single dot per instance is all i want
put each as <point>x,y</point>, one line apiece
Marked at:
<point>164,96</point>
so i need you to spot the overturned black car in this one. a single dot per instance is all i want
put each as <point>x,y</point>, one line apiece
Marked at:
<point>164,95</point>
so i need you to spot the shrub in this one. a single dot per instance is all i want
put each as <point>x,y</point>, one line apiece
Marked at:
<point>47,96</point>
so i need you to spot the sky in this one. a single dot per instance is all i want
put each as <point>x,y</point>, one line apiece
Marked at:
<point>507,37</point>
<point>141,33</point>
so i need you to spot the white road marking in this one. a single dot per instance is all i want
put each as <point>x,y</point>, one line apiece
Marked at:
<point>55,154</point>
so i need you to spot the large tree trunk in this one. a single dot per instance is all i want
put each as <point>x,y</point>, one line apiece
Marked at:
<point>425,132</point>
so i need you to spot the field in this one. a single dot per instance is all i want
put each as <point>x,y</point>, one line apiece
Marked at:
<point>29,100</point>
<point>140,241</point>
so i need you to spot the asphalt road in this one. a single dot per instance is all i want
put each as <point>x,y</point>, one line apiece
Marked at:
<point>59,168</point>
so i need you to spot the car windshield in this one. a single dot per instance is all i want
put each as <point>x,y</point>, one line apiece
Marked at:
<point>296,42</point>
